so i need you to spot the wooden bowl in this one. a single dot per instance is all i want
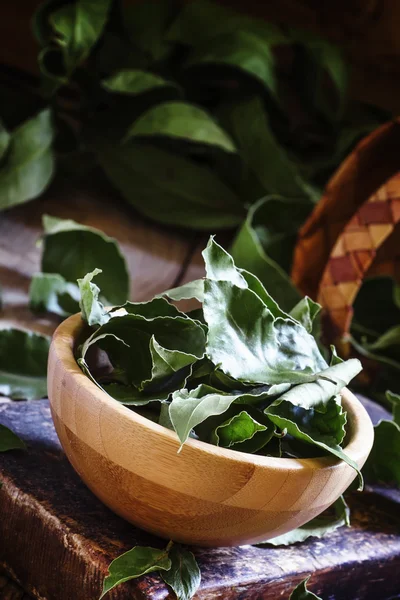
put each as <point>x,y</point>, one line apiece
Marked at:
<point>205,495</point>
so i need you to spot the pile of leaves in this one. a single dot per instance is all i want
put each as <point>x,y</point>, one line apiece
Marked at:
<point>267,413</point>
<point>239,372</point>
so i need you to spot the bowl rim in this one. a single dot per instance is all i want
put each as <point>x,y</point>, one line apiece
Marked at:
<point>360,436</point>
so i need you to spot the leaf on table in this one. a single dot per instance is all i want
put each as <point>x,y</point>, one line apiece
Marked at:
<point>338,515</point>
<point>93,311</point>
<point>28,165</point>
<point>184,575</point>
<point>71,250</point>
<point>134,563</point>
<point>199,22</point>
<point>23,364</point>
<point>9,440</point>
<point>260,349</point>
<point>169,188</point>
<point>50,292</point>
<point>134,82</point>
<point>251,252</point>
<point>302,593</point>
<point>241,51</point>
<point>181,121</point>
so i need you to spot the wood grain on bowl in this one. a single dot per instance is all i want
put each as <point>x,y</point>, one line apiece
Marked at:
<point>204,495</point>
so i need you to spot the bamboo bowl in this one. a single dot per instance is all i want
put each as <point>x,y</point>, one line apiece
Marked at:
<point>205,495</point>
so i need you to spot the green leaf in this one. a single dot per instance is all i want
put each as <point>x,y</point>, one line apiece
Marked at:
<point>305,312</point>
<point>187,291</point>
<point>40,21</point>
<point>169,188</point>
<point>182,121</point>
<point>134,563</point>
<point>129,395</point>
<point>150,350</point>
<point>323,57</point>
<point>27,168</point>
<point>260,349</point>
<point>5,138</point>
<point>337,516</point>
<point>327,385</point>
<point>93,311</point>
<point>157,307</point>
<point>325,430</point>
<point>9,440</point>
<point>395,400</point>
<point>23,364</point>
<point>302,593</point>
<point>240,428</point>
<point>78,27</point>
<point>335,359</point>
<point>247,121</point>
<point>72,250</point>
<point>201,21</point>
<point>251,252</point>
<point>50,292</point>
<point>383,463</point>
<point>367,320</point>
<point>146,23</point>
<point>221,267</point>
<point>242,51</point>
<point>134,82</point>
<point>168,362</point>
<point>387,342</point>
<point>184,575</point>
<point>191,408</point>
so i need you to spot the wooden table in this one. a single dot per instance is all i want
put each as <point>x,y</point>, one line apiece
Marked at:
<point>57,539</point>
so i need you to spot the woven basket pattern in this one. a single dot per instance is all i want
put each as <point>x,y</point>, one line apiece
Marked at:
<point>355,251</point>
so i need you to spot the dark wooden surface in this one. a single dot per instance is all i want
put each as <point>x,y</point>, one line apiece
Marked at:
<point>56,538</point>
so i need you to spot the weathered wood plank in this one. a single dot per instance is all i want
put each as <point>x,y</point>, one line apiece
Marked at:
<point>53,521</point>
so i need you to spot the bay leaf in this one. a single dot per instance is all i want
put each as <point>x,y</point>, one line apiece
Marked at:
<point>302,593</point>
<point>337,516</point>
<point>72,249</point>
<point>134,563</point>
<point>23,364</point>
<point>182,121</point>
<point>169,188</point>
<point>9,440</point>
<point>27,168</point>
<point>184,575</point>
<point>52,293</point>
